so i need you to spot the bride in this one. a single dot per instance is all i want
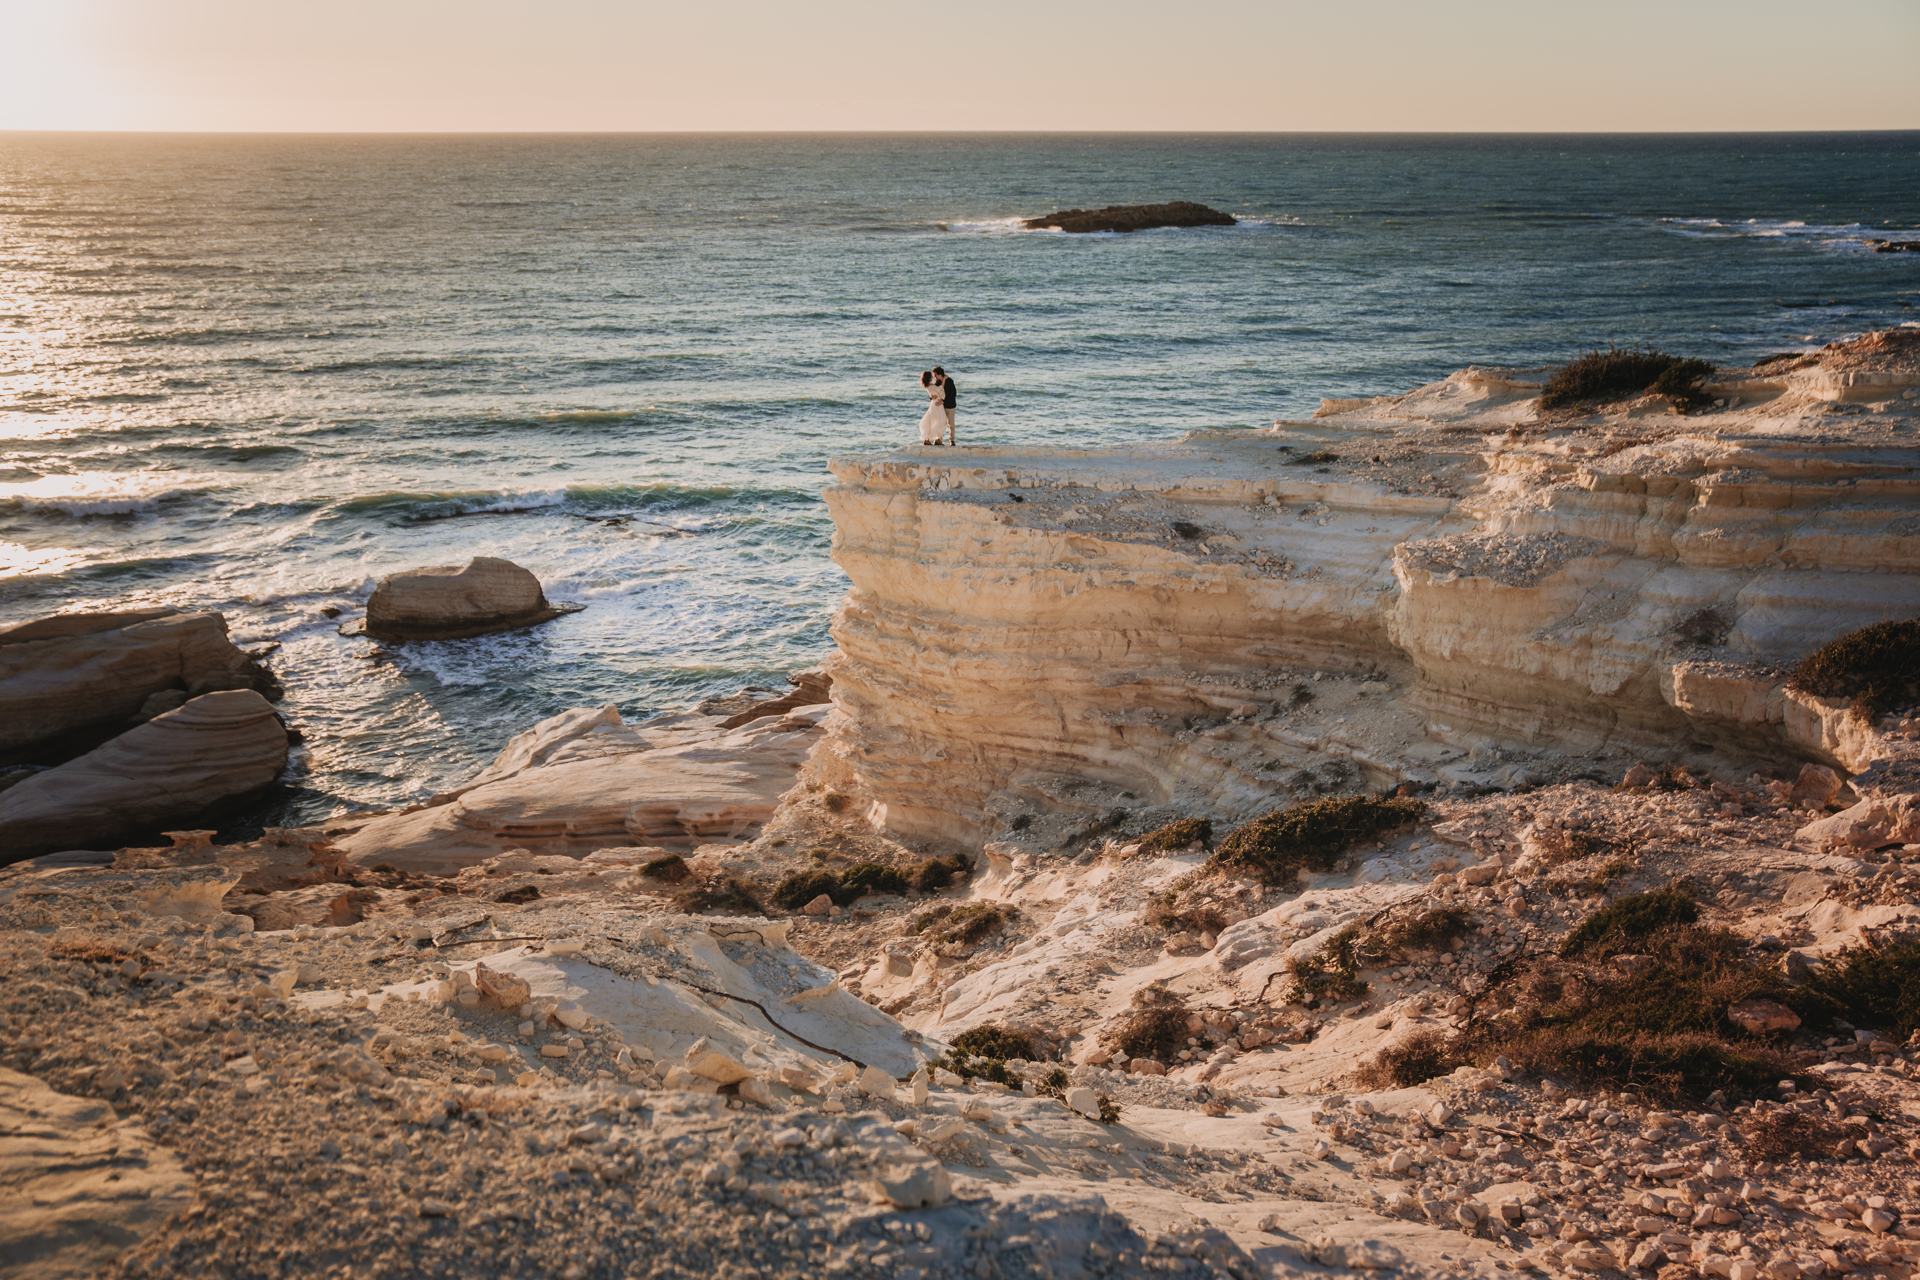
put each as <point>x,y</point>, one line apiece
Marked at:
<point>933,423</point>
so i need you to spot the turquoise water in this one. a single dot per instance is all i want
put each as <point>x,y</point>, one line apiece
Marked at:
<point>255,373</point>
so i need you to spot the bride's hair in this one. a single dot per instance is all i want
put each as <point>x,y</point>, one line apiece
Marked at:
<point>926,377</point>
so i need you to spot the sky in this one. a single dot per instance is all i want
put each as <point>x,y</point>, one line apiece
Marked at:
<point>1257,65</point>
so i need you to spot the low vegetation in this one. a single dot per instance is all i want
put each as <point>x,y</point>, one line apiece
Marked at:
<point>936,874</point>
<point>1625,925</point>
<point>982,1053</point>
<point>1661,1028</point>
<point>1425,1055</point>
<point>844,888</point>
<point>719,893</point>
<point>1154,1026</point>
<point>1311,836</point>
<point>1877,666</point>
<point>1178,835</point>
<point>969,923</point>
<point>990,1041</point>
<point>1330,975</point>
<point>671,869</point>
<point>1705,627</point>
<point>1788,1135</point>
<point>1624,371</point>
<point>1167,912</point>
<point>1875,987</point>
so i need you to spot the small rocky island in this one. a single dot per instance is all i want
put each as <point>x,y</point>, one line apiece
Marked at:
<point>1132,217</point>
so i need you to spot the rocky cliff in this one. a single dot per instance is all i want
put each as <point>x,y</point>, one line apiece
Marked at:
<point>1447,585</point>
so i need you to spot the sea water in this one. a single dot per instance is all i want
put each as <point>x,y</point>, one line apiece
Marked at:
<point>255,373</point>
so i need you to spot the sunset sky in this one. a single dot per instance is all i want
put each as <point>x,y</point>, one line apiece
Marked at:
<point>563,65</point>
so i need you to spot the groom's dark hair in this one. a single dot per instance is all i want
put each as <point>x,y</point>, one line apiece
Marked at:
<point>942,372</point>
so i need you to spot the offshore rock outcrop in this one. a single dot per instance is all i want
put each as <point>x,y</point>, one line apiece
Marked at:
<point>1131,217</point>
<point>451,602</point>
<point>1035,631</point>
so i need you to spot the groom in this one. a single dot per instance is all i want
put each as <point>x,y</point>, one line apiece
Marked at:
<point>950,399</point>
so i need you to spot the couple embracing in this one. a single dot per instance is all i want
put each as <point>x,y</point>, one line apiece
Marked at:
<point>942,396</point>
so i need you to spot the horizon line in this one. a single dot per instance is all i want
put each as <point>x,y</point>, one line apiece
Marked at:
<point>935,133</point>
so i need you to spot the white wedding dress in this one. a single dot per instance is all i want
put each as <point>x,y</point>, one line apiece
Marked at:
<point>933,425</point>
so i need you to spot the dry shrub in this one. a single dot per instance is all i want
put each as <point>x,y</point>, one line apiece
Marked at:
<point>1663,1030</point>
<point>1868,986</point>
<point>1177,835</point>
<point>1621,926</point>
<point>936,874</point>
<point>91,950</point>
<point>993,1042</point>
<point>835,802</point>
<point>1706,627</point>
<point>1425,1055</point>
<point>1166,911</point>
<point>1778,1134</point>
<point>1615,372</point>
<point>671,869</point>
<point>1311,836</point>
<point>1331,974</point>
<point>719,893</point>
<point>1154,1027</point>
<point>1430,931</point>
<point>844,888</point>
<point>969,923</point>
<point>1877,666</point>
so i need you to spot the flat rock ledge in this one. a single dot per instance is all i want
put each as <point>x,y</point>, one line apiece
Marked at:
<point>1132,217</point>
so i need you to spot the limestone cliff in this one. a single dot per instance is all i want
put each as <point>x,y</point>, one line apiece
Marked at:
<point>1494,593</point>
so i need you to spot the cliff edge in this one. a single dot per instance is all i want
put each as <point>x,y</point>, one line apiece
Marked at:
<point>1445,586</point>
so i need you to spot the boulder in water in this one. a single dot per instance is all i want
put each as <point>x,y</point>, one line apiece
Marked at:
<point>217,747</point>
<point>447,602</point>
<point>1132,217</point>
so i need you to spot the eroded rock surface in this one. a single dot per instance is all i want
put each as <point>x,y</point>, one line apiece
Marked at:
<point>1131,217</point>
<point>173,768</point>
<point>448,602</point>
<point>79,1186</point>
<point>67,675</point>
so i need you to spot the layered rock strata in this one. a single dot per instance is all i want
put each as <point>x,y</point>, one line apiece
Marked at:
<point>71,675</point>
<point>1046,630</point>
<point>584,780</point>
<point>218,747</point>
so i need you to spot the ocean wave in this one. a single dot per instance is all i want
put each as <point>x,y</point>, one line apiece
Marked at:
<point>1843,237</point>
<point>102,493</point>
<point>655,502</point>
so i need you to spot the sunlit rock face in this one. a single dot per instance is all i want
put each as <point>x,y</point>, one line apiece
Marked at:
<point>1047,630</point>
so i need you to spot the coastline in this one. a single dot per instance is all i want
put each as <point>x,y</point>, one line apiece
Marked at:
<point>1046,659</point>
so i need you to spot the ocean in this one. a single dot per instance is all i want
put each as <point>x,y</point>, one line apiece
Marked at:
<point>255,373</point>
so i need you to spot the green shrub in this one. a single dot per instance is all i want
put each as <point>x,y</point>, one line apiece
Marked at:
<point>1330,975</point>
<point>1615,372</point>
<point>1877,666</point>
<point>1874,987</point>
<point>863,878</point>
<point>1312,836</point>
<point>672,869</point>
<point>1178,835</point>
<point>990,1041</point>
<point>1681,380</point>
<point>936,874</point>
<point>1623,925</point>
<point>802,887</point>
